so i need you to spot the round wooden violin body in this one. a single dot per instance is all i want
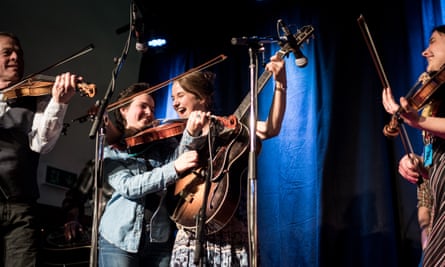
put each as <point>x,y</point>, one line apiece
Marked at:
<point>42,85</point>
<point>430,84</point>
<point>160,132</point>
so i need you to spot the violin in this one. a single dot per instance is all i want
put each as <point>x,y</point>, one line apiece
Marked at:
<point>174,128</point>
<point>156,133</point>
<point>429,85</point>
<point>418,99</point>
<point>42,85</point>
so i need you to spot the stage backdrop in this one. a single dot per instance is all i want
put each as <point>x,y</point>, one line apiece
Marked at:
<point>328,191</point>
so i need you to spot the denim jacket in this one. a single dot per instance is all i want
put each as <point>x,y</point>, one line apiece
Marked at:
<point>133,176</point>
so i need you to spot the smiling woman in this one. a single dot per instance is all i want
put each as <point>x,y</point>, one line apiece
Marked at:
<point>328,192</point>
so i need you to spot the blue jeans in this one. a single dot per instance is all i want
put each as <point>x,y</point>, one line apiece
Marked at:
<point>150,254</point>
<point>19,234</point>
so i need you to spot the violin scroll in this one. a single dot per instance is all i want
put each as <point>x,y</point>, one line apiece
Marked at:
<point>392,129</point>
<point>86,89</point>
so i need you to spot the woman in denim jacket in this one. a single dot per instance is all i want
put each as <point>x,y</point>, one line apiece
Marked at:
<point>135,228</point>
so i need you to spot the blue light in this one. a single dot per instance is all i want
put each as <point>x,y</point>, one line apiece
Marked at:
<point>157,42</point>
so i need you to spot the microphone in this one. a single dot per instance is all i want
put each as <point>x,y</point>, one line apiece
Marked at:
<point>300,59</point>
<point>254,40</point>
<point>138,31</point>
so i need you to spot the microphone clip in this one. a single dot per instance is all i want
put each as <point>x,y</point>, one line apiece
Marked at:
<point>291,42</point>
<point>253,41</point>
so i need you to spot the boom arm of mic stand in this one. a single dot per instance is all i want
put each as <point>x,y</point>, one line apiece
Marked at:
<point>104,103</point>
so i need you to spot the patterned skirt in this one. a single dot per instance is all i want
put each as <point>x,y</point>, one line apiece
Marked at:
<point>228,247</point>
<point>434,254</point>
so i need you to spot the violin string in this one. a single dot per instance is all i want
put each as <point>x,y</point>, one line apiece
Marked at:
<point>423,78</point>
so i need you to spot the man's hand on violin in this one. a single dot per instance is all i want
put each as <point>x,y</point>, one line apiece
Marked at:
<point>64,87</point>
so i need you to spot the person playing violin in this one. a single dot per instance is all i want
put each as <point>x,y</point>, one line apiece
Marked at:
<point>135,229</point>
<point>29,126</point>
<point>431,166</point>
<point>192,99</point>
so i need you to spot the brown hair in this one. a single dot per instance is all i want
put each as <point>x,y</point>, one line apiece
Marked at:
<point>201,84</point>
<point>12,36</point>
<point>128,92</point>
<point>440,28</point>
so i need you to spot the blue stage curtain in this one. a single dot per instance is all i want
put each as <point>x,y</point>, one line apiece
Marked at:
<point>328,191</point>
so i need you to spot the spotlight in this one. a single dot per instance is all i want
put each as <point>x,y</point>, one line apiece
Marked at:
<point>157,42</point>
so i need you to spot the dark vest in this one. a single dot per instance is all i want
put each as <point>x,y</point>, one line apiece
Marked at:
<point>18,171</point>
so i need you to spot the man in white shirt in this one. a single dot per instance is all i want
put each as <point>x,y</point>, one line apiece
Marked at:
<point>30,125</point>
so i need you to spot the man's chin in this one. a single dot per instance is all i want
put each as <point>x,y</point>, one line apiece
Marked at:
<point>13,78</point>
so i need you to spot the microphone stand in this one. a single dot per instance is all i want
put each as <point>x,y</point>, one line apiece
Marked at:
<point>100,141</point>
<point>251,186</point>
<point>199,256</point>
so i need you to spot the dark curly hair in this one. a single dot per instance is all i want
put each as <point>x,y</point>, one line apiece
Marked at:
<point>128,92</point>
<point>439,28</point>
